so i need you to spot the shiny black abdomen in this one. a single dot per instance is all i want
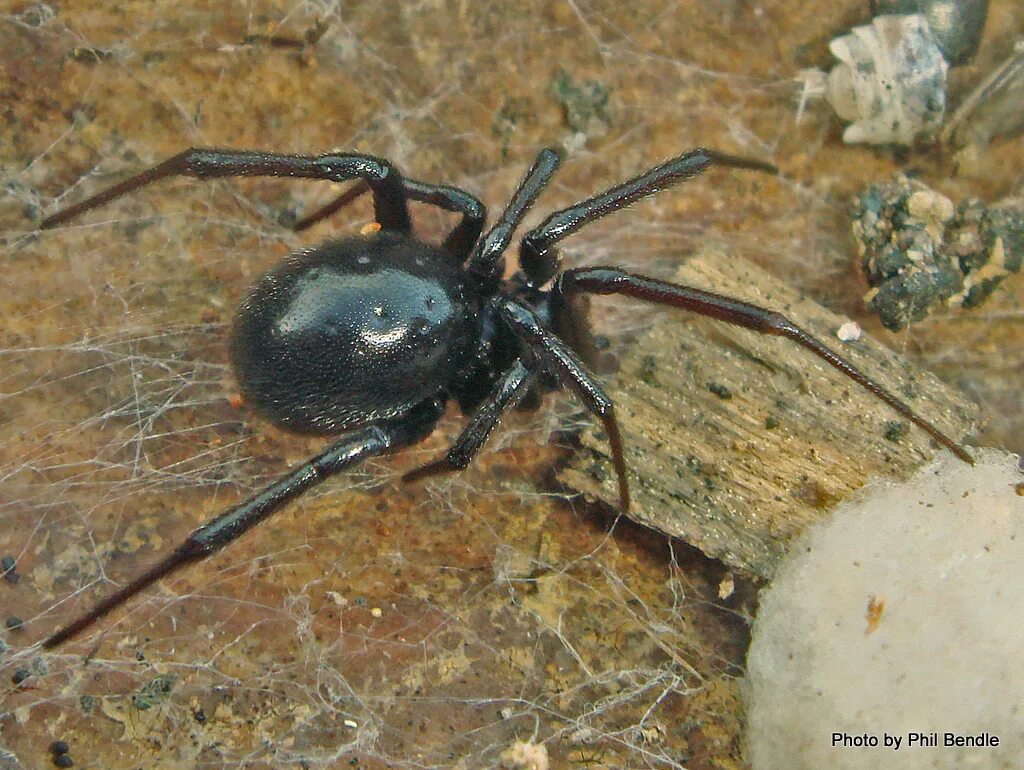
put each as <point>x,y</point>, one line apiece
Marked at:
<point>353,331</point>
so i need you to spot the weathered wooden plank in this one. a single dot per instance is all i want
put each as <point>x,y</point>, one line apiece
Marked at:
<point>737,441</point>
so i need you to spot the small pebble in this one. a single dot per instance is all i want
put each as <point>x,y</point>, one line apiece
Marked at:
<point>895,430</point>
<point>14,623</point>
<point>720,390</point>
<point>727,587</point>
<point>60,747</point>
<point>21,675</point>
<point>850,332</point>
<point>63,760</point>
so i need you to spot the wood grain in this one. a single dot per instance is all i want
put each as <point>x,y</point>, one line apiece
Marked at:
<point>737,441</point>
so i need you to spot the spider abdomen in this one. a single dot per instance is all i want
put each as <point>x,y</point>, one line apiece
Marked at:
<point>352,331</point>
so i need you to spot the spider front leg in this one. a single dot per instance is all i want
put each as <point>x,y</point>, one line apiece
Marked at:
<point>239,519</point>
<point>389,198</point>
<point>536,257</point>
<point>611,280</point>
<point>487,261</point>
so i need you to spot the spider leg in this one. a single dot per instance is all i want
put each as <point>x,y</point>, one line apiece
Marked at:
<point>535,255</point>
<point>572,374</point>
<point>610,280</point>
<point>459,241</point>
<point>336,205</point>
<point>465,234</point>
<point>389,197</point>
<point>486,260</point>
<point>505,394</point>
<point>239,519</point>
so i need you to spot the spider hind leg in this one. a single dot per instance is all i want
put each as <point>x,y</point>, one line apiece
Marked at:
<point>217,533</point>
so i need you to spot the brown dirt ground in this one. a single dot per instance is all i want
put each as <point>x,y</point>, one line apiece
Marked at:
<point>373,625</point>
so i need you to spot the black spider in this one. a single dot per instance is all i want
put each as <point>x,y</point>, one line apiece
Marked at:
<point>370,336</point>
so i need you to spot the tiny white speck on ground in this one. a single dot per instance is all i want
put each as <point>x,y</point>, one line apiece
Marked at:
<point>525,756</point>
<point>850,332</point>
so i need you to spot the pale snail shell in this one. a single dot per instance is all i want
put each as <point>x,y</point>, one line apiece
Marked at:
<point>890,82</point>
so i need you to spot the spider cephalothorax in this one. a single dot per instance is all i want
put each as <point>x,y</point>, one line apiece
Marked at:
<point>371,336</point>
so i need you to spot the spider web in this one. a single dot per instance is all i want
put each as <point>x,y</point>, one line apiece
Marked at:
<point>483,618</point>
